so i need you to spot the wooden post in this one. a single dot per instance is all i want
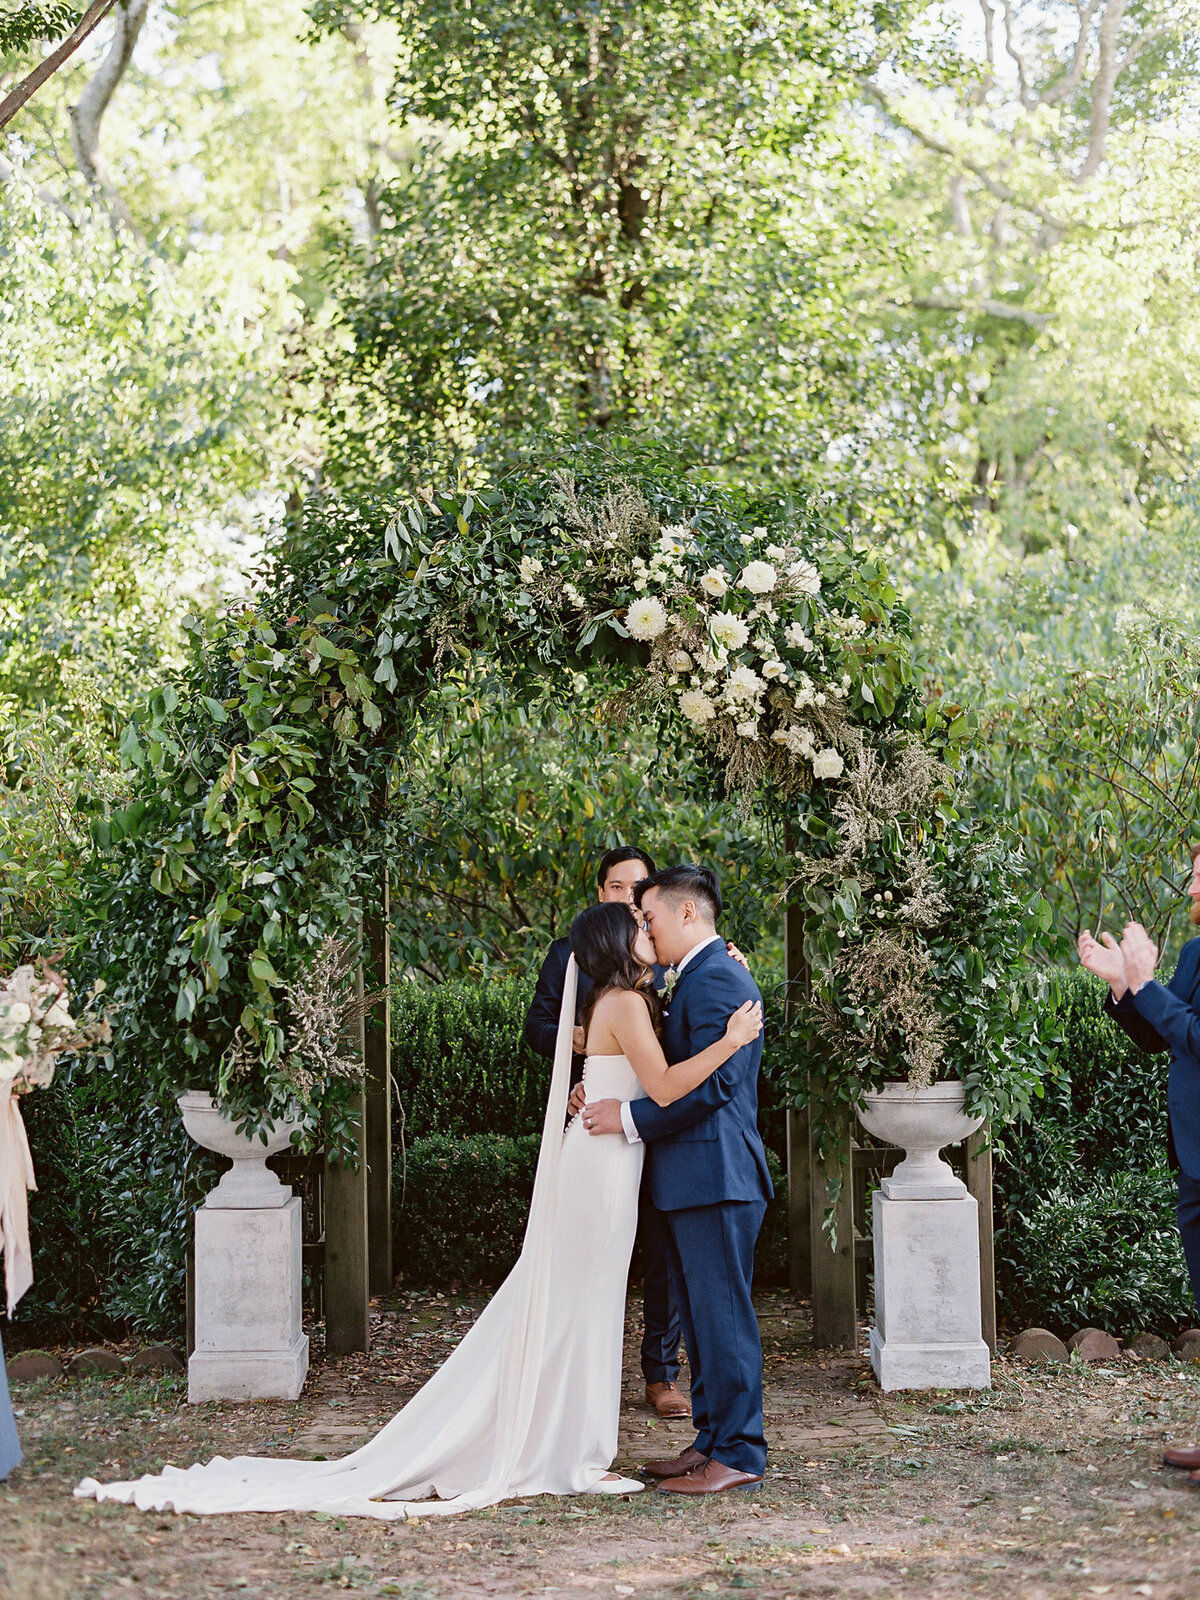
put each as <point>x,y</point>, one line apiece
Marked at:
<point>347,1309</point>
<point>799,1198</point>
<point>835,1319</point>
<point>979,1183</point>
<point>377,1057</point>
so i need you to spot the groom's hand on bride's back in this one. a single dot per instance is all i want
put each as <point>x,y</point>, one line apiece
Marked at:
<point>603,1116</point>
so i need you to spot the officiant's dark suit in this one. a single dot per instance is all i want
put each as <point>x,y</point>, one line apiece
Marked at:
<point>662,1331</point>
<point>1167,1017</point>
<point>707,1173</point>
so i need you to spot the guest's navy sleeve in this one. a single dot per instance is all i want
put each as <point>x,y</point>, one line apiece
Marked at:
<point>1126,1016</point>
<point>1159,1017</point>
<point>541,1024</point>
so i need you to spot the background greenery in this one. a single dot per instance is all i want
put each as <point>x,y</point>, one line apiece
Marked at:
<point>933,264</point>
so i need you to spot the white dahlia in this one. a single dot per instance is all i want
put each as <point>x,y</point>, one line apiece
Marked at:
<point>697,707</point>
<point>646,619</point>
<point>744,684</point>
<point>729,630</point>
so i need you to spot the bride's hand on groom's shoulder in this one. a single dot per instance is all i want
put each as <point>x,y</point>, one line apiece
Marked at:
<point>732,949</point>
<point>746,1023</point>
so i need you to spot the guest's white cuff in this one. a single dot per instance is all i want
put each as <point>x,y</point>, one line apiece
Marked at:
<point>628,1123</point>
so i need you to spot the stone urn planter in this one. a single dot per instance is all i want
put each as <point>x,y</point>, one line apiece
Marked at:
<point>927,1331</point>
<point>249,1184</point>
<point>923,1122</point>
<point>249,1344</point>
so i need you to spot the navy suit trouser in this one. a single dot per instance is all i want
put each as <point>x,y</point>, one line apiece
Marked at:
<point>662,1330</point>
<point>1188,1216</point>
<point>710,1252</point>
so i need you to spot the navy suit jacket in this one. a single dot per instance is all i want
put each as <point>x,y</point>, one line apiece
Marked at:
<point>706,1148</point>
<point>541,1023</point>
<point>1168,1018</point>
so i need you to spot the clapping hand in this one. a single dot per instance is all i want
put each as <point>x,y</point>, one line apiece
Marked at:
<point>1139,953</point>
<point>1104,958</point>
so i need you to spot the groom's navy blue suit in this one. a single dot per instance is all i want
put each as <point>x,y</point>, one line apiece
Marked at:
<point>707,1173</point>
<point>661,1331</point>
<point>1167,1017</point>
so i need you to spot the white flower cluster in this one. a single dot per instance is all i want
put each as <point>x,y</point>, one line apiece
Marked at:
<point>737,674</point>
<point>36,1025</point>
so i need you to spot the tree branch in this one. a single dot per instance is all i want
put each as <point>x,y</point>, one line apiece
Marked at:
<point>988,308</point>
<point>1107,72</point>
<point>28,86</point>
<point>992,185</point>
<point>88,112</point>
<point>1074,74</point>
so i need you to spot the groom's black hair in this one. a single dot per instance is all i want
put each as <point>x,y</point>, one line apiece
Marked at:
<point>687,882</point>
<point>614,858</point>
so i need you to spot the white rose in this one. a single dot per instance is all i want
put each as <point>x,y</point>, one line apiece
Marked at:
<point>796,637</point>
<point>697,707</point>
<point>748,730</point>
<point>805,576</point>
<point>774,669</point>
<point>828,764</point>
<point>715,582</point>
<point>759,577</point>
<point>646,619</point>
<point>18,1013</point>
<point>729,630</point>
<point>529,568</point>
<point>58,1016</point>
<point>776,552</point>
<point>680,661</point>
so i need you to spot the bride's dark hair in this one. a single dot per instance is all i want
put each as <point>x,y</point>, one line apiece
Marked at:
<point>602,941</point>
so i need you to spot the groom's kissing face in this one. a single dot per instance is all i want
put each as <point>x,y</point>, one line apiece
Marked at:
<point>665,926</point>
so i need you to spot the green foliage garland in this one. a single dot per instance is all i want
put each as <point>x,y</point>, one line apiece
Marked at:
<point>260,817</point>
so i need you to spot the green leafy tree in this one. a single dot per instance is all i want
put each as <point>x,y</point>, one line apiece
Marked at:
<point>618,214</point>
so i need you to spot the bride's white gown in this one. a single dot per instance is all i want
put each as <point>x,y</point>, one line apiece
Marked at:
<point>529,1401</point>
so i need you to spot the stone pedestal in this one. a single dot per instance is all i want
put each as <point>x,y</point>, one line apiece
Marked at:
<point>249,1343</point>
<point>927,1332</point>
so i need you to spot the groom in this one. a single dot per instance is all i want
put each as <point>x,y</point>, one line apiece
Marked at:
<point>707,1174</point>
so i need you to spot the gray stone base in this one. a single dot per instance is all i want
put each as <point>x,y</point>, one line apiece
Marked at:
<point>930,1366</point>
<point>248,1374</point>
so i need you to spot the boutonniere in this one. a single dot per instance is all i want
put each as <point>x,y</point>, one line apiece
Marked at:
<point>670,979</point>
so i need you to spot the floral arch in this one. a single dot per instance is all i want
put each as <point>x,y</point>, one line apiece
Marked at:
<point>259,824</point>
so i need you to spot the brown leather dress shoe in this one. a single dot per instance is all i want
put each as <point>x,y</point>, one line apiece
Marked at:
<point>666,1399</point>
<point>712,1477</point>
<point>1184,1456</point>
<point>677,1466</point>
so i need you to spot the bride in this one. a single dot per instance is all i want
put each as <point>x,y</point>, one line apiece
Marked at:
<point>529,1402</point>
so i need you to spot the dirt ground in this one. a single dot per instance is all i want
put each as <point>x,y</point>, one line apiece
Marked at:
<point>1047,1485</point>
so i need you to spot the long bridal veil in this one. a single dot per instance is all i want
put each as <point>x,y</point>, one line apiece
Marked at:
<point>463,1436</point>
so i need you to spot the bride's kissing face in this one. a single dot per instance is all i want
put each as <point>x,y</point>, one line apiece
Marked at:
<point>643,945</point>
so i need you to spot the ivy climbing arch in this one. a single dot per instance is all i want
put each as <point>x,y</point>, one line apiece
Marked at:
<point>259,822</point>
